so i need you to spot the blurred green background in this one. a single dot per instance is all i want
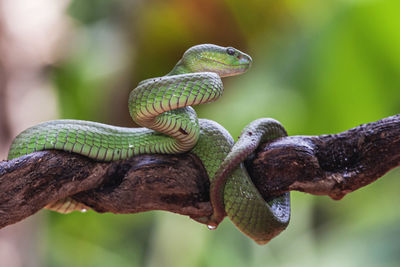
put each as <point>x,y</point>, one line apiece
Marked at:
<point>319,67</point>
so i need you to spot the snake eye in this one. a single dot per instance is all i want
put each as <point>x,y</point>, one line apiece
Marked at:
<point>230,51</point>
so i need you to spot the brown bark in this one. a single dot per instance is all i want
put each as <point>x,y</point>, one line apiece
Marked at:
<point>331,165</point>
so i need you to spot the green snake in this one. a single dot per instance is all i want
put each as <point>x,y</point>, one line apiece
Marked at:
<point>162,106</point>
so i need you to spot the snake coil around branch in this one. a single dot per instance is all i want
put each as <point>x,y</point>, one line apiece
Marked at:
<point>162,106</point>
<point>259,207</point>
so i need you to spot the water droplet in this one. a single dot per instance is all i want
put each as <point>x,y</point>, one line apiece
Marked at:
<point>211,227</point>
<point>83,210</point>
<point>130,146</point>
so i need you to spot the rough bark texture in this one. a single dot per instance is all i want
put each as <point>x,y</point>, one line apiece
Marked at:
<point>176,183</point>
<point>331,165</point>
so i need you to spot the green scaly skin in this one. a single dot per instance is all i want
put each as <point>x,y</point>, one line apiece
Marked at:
<point>163,107</point>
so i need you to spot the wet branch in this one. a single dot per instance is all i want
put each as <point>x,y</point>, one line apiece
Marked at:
<point>331,165</point>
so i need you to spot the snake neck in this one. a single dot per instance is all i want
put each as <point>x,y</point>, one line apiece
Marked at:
<point>179,68</point>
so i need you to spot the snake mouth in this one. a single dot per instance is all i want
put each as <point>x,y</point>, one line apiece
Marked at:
<point>234,71</point>
<point>224,69</point>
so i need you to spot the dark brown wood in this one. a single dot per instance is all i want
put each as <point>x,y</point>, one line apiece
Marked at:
<point>331,165</point>
<point>177,183</point>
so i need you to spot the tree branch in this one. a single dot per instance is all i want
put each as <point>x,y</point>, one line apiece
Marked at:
<point>331,165</point>
<point>177,183</point>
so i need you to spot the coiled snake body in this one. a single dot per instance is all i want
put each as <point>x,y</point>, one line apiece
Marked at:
<point>163,107</point>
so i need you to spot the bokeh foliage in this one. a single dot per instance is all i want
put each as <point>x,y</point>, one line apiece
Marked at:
<point>319,67</point>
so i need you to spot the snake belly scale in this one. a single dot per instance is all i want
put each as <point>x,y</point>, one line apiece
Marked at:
<point>162,106</point>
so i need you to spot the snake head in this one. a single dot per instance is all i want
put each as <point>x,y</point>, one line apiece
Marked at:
<point>225,61</point>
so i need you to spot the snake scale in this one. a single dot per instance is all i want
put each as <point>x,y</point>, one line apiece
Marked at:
<point>162,106</point>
